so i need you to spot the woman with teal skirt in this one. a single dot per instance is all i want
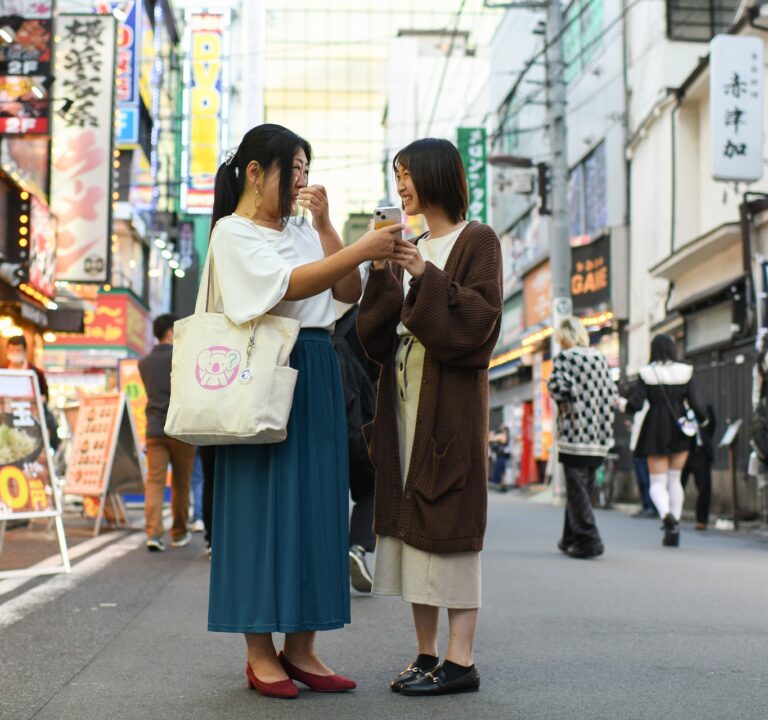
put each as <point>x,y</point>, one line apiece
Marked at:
<point>280,530</point>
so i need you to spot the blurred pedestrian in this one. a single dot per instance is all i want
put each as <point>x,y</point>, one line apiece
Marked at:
<point>359,377</point>
<point>197,524</point>
<point>665,438</point>
<point>699,464</point>
<point>155,371</point>
<point>431,317</point>
<point>501,454</point>
<point>585,393</point>
<point>640,465</point>
<point>280,555</point>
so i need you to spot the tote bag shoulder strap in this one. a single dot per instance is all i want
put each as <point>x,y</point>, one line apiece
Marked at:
<point>205,291</point>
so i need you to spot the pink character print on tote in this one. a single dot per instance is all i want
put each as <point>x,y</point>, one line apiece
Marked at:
<point>217,367</point>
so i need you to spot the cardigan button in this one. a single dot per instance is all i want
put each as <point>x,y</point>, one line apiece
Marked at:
<point>408,494</point>
<point>401,533</point>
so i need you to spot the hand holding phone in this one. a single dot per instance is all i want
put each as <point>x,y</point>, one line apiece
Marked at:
<point>385,216</point>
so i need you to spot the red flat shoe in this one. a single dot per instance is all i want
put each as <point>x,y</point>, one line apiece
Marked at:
<point>318,683</point>
<point>284,689</point>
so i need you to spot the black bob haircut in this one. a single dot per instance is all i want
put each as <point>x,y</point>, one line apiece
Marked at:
<point>271,146</point>
<point>438,175</point>
<point>663,349</point>
<point>162,324</point>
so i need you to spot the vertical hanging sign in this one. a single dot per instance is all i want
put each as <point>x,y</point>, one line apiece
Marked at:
<point>471,143</point>
<point>204,128</point>
<point>83,130</point>
<point>736,107</point>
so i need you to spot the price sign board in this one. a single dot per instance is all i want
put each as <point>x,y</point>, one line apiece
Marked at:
<point>26,474</point>
<point>105,458</point>
<point>26,489</point>
<point>130,384</point>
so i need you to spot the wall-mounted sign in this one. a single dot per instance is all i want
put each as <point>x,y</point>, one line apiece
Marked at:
<point>537,295</point>
<point>81,178</point>
<point>25,45</point>
<point>736,107</point>
<point>116,321</point>
<point>42,248</point>
<point>22,111</point>
<point>471,142</point>
<point>204,131</point>
<point>591,274</point>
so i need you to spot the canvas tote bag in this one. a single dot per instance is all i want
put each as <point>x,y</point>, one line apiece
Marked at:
<point>230,384</point>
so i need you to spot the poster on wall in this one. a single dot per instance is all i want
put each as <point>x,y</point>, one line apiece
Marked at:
<point>42,248</point>
<point>25,37</point>
<point>83,131</point>
<point>27,158</point>
<point>204,131</point>
<point>23,106</point>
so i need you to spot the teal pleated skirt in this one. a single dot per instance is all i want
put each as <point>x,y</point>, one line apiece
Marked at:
<point>280,537</point>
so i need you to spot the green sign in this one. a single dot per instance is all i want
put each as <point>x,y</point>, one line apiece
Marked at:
<point>472,149</point>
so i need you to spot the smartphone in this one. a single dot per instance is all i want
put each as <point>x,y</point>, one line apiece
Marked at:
<point>384,216</point>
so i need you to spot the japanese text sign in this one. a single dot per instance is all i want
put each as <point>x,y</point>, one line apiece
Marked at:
<point>203,130</point>
<point>22,112</point>
<point>92,445</point>
<point>131,385</point>
<point>25,473</point>
<point>590,274</point>
<point>83,129</point>
<point>736,107</point>
<point>537,295</point>
<point>25,37</point>
<point>471,143</point>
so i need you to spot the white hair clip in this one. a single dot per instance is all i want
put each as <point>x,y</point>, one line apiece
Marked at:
<point>229,156</point>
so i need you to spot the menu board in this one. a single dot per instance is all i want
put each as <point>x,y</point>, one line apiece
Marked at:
<point>130,384</point>
<point>26,489</point>
<point>92,448</point>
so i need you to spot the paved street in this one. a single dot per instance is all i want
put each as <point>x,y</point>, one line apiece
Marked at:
<point>644,632</point>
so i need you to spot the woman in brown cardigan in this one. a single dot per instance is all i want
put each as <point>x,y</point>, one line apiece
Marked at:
<point>430,316</point>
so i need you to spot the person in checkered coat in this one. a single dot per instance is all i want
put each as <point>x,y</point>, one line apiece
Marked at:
<point>586,395</point>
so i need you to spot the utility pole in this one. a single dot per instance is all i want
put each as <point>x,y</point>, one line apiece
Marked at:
<point>559,244</point>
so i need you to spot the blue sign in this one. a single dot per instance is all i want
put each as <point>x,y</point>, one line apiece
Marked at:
<point>127,126</point>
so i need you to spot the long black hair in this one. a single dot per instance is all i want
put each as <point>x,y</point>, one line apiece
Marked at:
<point>438,175</point>
<point>269,145</point>
<point>663,349</point>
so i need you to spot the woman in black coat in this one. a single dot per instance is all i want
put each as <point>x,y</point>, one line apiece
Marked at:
<point>669,388</point>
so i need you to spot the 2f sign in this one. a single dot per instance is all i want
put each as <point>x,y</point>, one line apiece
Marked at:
<point>736,107</point>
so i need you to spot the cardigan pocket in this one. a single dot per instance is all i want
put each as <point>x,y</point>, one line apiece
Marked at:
<point>446,470</point>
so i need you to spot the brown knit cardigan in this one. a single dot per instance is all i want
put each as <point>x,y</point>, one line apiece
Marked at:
<point>456,314</point>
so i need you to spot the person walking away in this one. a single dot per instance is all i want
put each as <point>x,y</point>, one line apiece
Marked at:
<point>669,388</point>
<point>501,454</point>
<point>198,481</point>
<point>155,371</point>
<point>280,552</point>
<point>699,464</point>
<point>430,317</point>
<point>585,393</point>
<point>359,377</point>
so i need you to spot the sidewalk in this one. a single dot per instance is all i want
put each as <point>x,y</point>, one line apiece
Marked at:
<point>641,633</point>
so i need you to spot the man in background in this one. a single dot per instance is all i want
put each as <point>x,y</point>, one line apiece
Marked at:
<point>155,370</point>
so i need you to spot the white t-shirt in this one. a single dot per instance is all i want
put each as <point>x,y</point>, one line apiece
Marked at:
<point>434,250</point>
<point>252,267</point>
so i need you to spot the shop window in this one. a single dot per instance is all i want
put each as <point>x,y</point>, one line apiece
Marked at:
<point>699,20</point>
<point>582,35</point>
<point>587,195</point>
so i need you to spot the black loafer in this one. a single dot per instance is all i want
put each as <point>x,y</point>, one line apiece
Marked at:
<point>411,674</point>
<point>585,553</point>
<point>435,683</point>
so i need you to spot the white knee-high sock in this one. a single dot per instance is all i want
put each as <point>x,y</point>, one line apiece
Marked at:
<point>676,493</point>
<point>659,493</point>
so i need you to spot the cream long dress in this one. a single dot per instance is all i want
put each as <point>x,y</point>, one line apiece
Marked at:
<point>442,580</point>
